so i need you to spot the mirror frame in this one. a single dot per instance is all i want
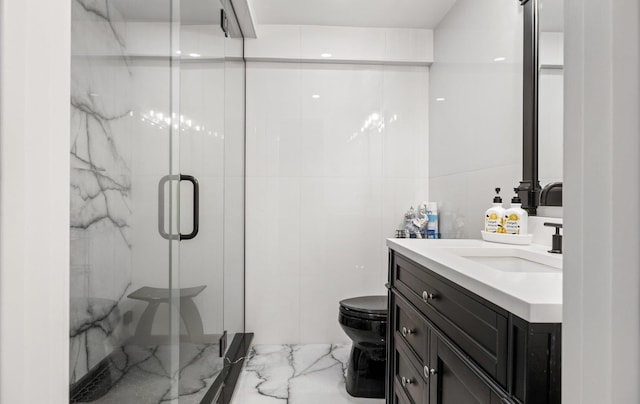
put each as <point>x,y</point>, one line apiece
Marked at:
<point>529,188</point>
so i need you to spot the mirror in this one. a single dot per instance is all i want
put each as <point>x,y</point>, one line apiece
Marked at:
<point>550,90</point>
<point>542,98</point>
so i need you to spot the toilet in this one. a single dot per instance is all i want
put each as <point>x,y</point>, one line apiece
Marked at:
<point>364,320</point>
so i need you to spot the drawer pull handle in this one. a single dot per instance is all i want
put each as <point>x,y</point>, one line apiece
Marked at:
<point>407,331</point>
<point>406,381</point>
<point>427,296</point>
<point>428,372</point>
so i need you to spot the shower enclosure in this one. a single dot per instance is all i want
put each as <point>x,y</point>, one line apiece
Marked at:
<point>157,200</point>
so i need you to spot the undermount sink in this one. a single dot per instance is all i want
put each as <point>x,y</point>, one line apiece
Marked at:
<point>512,260</point>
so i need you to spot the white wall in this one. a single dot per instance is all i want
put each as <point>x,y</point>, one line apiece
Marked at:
<point>601,330</point>
<point>312,43</point>
<point>328,179</point>
<point>475,112</point>
<point>34,201</point>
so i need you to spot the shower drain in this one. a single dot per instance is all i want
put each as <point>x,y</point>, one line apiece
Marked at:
<point>94,385</point>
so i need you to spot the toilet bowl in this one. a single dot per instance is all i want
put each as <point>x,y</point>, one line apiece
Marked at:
<point>364,320</point>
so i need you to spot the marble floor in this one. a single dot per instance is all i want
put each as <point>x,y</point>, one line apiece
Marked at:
<point>296,374</point>
<point>143,375</point>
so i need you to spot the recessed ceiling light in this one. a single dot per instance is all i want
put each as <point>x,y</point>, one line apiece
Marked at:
<point>195,55</point>
<point>440,99</point>
<point>316,96</point>
<point>500,59</point>
<point>178,52</point>
<point>326,55</point>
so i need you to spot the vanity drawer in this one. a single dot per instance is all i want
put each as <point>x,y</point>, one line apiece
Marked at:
<point>410,328</point>
<point>407,379</point>
<point>476,325</point>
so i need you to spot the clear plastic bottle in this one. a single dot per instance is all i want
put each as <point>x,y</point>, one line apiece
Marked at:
<point>432,224</point>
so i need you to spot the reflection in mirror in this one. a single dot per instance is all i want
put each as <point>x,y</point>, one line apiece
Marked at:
<point>550,90</point>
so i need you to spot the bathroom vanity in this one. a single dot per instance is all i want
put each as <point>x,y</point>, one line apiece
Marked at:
<point>473,322</point>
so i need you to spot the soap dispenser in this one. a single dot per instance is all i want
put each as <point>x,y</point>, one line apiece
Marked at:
<point>515,218</point>
<point>493,216</point>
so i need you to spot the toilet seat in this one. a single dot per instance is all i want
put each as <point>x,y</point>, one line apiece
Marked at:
<point>365,307</point>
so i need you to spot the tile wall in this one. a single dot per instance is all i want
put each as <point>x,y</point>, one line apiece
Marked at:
<point>335,154</point>
<point>475,112</point>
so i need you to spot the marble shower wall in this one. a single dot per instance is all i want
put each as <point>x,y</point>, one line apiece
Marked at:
<point>101,192</point>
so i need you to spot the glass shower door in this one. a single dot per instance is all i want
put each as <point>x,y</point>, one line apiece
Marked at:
<point>211,142</point>
<point>200,142</point>
<point>127,303</point>
<point>211,149</point>
<point>157,198</point>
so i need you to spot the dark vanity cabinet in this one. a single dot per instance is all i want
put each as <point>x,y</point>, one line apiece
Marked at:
<point>447,345</point>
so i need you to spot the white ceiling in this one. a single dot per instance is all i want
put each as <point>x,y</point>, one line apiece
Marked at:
<point>356,13</point>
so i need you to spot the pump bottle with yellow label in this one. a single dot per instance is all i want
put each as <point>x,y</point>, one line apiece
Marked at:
<point>494,215</point>
<point>515,218</point>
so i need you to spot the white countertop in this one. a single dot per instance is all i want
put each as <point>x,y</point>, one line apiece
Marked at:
<point>534,296</point>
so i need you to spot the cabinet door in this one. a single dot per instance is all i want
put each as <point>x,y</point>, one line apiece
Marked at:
<point>455,380</point>
<point>408,379</point>
<point>400,398</point>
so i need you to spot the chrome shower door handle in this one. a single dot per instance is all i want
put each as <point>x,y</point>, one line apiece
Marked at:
<point>196,207</point>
